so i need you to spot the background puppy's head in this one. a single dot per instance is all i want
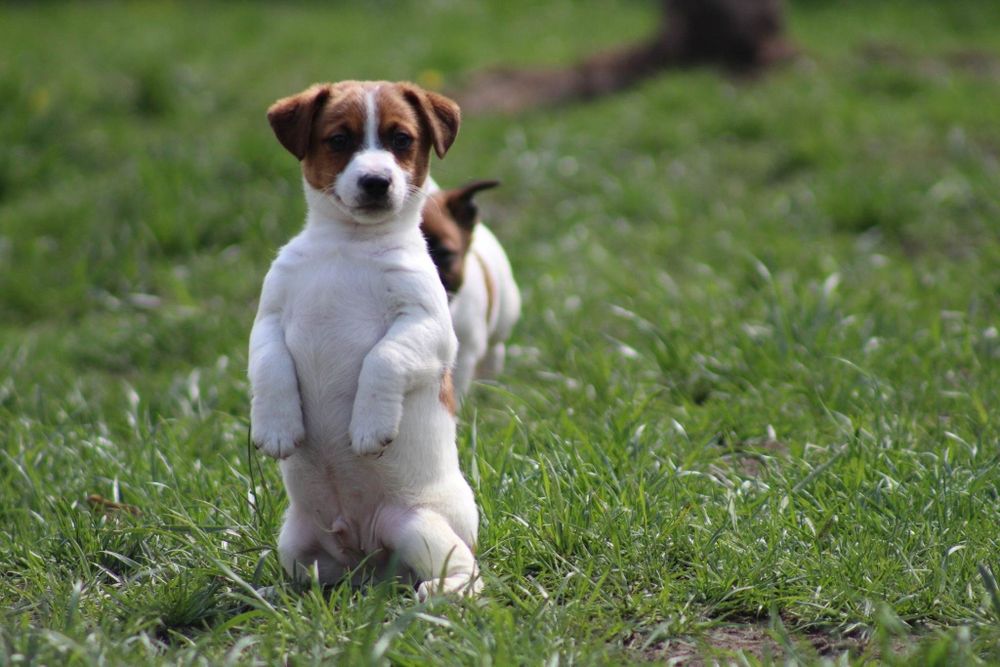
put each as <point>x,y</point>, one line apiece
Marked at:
<point>366,144</point>
<point>449,217</point>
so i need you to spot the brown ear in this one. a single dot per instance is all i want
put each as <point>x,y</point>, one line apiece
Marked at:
<point>291,118</point>
<point>441,115</point>
<point>460,203</point>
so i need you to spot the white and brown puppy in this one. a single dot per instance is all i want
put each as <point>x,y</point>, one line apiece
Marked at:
<point>473,267</point>
<point>351,351</point>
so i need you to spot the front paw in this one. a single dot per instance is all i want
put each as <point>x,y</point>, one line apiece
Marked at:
<point>374,426</point>
<point>277,433</point>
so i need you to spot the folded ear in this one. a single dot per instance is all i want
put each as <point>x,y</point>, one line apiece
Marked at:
<point>291,118</point>
<point>439,114</point>
<point>463,209</point>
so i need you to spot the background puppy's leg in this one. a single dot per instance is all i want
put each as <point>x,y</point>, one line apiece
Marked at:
<point>426,543</point>
<point>465,371</point>
<point>470,351</point>
<point>492,362</point>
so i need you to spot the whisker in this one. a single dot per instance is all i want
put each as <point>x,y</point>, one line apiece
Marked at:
<point>434,203</point>
<point>417,191</point>
<point>329,193</point>
<point>426,197</point>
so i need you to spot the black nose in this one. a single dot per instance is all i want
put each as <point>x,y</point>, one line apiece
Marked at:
<point>374,185</point>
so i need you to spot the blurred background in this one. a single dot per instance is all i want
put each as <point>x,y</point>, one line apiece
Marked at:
<point>134,143</point>
<point>736,247</point>
<point>134,148</point>
<point>142,193</point>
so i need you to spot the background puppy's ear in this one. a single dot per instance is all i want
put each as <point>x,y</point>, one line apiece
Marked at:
<point>291,118</point>
<point>441,115</point>
<point>460,204</point>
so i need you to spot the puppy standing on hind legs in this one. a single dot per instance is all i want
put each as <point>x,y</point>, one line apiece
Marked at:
<point>352,347</point>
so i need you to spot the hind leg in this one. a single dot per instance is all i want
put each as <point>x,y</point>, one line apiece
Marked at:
<point>425,543</point>
<point>300,547</point>
<point>492,362</point>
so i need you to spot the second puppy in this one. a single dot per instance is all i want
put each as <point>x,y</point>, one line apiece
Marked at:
<point>484,300</point>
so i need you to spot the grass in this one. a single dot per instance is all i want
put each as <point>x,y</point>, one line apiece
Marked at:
<point>754,389</point>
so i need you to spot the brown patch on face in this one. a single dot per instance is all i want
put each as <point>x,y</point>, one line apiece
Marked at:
<point>449,217</point>
<point>401,132</point>
<point>439,115</point>
<point>447,242</point>
<point>447,393</point>
<point>338,132</point>
<point>324,126</point>
<point>291,118</point>
<point>424,120</point>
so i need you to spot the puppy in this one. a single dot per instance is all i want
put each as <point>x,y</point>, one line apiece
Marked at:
<point>351,350</point>
<point>484,300</point>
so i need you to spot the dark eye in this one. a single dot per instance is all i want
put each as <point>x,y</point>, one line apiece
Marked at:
<point>339,142</point>
<point>401,141</point>
<point>439,253</point>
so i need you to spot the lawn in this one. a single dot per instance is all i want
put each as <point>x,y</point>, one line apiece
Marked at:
<point>750,413</point>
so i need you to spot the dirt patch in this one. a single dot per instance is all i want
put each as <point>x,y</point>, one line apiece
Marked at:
<point>750,458</point>
<point>724,644</point>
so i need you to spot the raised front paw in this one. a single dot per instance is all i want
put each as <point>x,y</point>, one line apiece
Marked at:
<point>374,425</point>
<point>277,432</point>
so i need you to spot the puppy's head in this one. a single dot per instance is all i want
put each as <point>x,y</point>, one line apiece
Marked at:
<point>449,217</point>
<point>366,144</point>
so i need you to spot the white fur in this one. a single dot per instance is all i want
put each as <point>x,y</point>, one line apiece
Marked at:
<point>371,119</point>
<point>482,334</point>
<point>347,353</point>
<point>371,160</point>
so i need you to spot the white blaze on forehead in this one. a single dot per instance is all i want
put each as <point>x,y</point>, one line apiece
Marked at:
<point>372,159</point>
<point>371,119</point>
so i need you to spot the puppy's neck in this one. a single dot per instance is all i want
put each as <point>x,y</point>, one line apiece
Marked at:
<point>326,219</point>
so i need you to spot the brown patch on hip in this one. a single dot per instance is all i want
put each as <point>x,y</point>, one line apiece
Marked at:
<point>447,393</point>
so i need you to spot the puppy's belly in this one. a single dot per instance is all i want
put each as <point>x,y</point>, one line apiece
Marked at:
<point>346,496</point>
<point>328,346</point>
<point>337,490</point>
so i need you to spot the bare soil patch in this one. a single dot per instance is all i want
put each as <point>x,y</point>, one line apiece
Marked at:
<point>724,644</point>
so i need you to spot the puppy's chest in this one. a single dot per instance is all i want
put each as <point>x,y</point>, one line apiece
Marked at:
<point>337,312</point>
